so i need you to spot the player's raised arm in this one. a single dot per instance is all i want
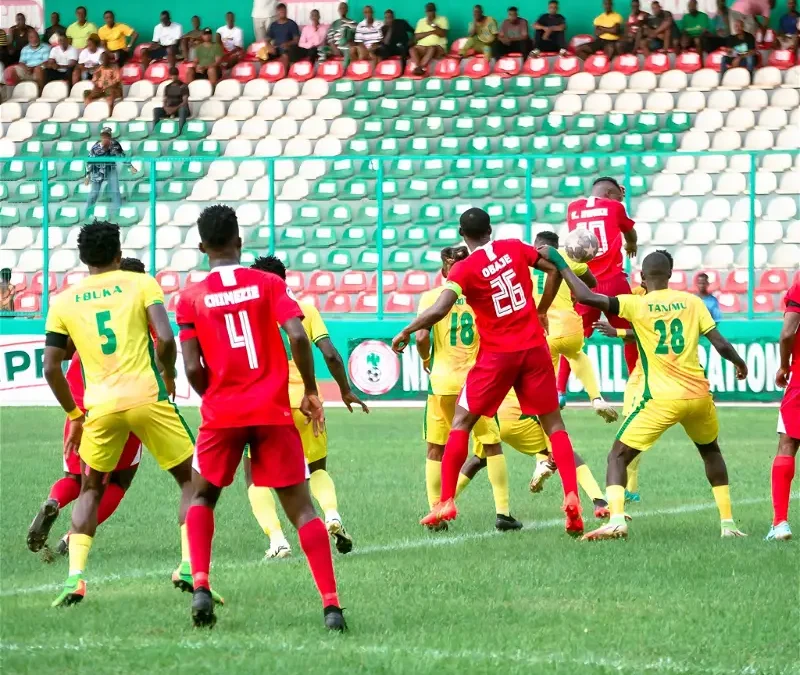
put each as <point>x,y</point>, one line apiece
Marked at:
<point>430,317</point>
<point>583,294</point>
<point>726,350</point>
<point>791,324</point>
<point>335,364</point>
<point>631,242</point>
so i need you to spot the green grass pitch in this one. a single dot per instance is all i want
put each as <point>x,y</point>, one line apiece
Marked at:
<point>674,598</point>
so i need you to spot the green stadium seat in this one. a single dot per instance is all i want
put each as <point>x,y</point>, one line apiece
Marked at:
<point>493,125</point>
<point>571,187</point>
<point>63,149</point>
<point>553,85</point>
<point>492,86</point>
<point>34,217</point>
<point>402,127</point>
<point>555,213</point>
<point>432,87</point>
<point>179,147</point>
<point>510,145</point>
<point>358,109</point>
<point>602,143</point>
<point>195,130</point>
<point>342,89</point>
<point>372,128</point>
<point>418,147</point>
<point>193,171</point>
<point>66,216</point>
<point>586,166</point>
<point>523,125</point>
<point>58,192</point>
<point>522,86</point>
<point>398,214</point>
<point>497,212</point>
<point>338,216</point>
<point>260,237</point>
<point>615,165</point>
<point>388,147</point>
<point>48,131</point>
<point>33,148</point>
<point>135,131</point>
<point>583,125</point>
<point>457,209</point>
<point>307,261</point>
<point>539,106</point>
<point>678,122</point>
<point>74,170</point>
<point>403,88</point>
<point>540,145</point>
<point>401,168</point>
<point>431,127</point>
<point>12,170</point>
<point>477,106</point>
<point>447,107</point>
<point>9,216</point>
<point>646,123</point>
<point>464,127</point>
<point>638,186</point>
<point>25,193</point>
<point>389,236</point>
<point>325,189</point>
<point>508,106</point>
<point>554,125</point>
<point>519,214</point>
<point>510,188</point>
<point>81,131</point>
<point>307,215</point>
<point>367,261</point>
<point>208,148</point>
<point>322,237</point>
<point>354,237</point>
<point>165,130</point>
<point>292,237</point>
<point>632,142</point>
<point>615,123</point>
<point>358,146</point>
<point>418,108</point>
<point>149,149</point>
<point>164,170</point>
<point>432,168</point>
<point>248,257</point>
<point>415,189</point>
<point>400,261</point>
<point>448,145</point>
<point>479,145</point>
<point>141,192</point>
<point>552,166</point>
<point>373,89</point>
<point>416,236</point>
<point>540,187</point>
<point>431,214</point>
<point>388,108</point>
<point>446,236</point>
<point>462,86</point>
<point>341,169</point>
<point>113,126</point>
<point>390,188</point>
<point>463,167</point>
<point>665,141</point>
<point>128,215</point>
<point>519,167</point>
<point>478,188</point>
<point>355,189</point>
<point>367,216</point>
<point>429,261</point>
<point>647,165</point>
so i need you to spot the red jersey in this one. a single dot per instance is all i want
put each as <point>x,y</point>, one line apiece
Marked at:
<point>607,220</point>
<point>75,380</point>
<point>234,313</point>
<point>496,281</point>
<point>792,302</point>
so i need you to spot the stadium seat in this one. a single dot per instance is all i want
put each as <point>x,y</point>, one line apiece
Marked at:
<point>689,62</point>
<point>782,59</point>
<point>597,65</point>
<point>714,60</point>
<point>507,67</point>
<point>536,67</point>
<point>729,302</point>
<point>566,66</point>
<point>301,71</point>
<point>388,70</point>
<point>272,71</point>
<point>657,63</point>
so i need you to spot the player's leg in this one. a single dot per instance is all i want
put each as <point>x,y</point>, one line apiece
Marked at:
<point>590,486</point>
<point>613,287</point>
<point>263,506</point>
<point>436,424</point>
<point>632,486</point>
<point>783,466</point>
<point>572,349</point>
<point>562,381</point>
<point>487,432</point>
<point>121,479</point>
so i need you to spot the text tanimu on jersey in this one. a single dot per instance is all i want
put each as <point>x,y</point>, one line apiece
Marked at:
<point>655,307</point>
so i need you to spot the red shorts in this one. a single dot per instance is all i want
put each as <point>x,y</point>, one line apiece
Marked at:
<point>789,414</point>
<point>130,457</point>
<point>276,455</point>
<point>611,287</point>
<point>529,372</point>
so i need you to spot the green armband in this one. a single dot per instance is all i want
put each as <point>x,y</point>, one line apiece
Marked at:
<point>555,257</point>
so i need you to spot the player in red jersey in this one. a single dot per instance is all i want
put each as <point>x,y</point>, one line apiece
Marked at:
<point>496,282</point>
<point>788,377</point>
<point>604,215</point>
<point>236,361</point>
<point>67,488</point>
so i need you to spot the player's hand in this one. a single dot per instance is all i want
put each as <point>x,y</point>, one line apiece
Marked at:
<point>74,436</point>
<point>545,322</point>
<point>169,384</point>
<point>544,251</point>
<point>741,371</point>
<point>426,365</point>
<point>605,328</point>
<point>782,378</point>
<point>401,341</point>
<point>311,407</point>
<point>630,249</point>
<point>350,399</point>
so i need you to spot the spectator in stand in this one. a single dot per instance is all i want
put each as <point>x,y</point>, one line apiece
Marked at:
<point>208,57</point>
<point>741,50</point>
<point>514,36</point>
<point>166,39</point>
<point>789,27</point>
<point>7,291</point>
<point>18,37</point>
<point>5,51</point>
<point>748,11</point>
<point>312,37</point>
<point>340,35</point>
<point>191,39</point>
<point>232,39</point>
<point>98,173</point>
<point>607,30</point>
<point>33,56</point>
<point>79,31</point>
<point>263,14</point>
<point>397,36</point>
<point>54,30</point>
<point>176,101</point>
<point>369,34</point>
<point>107,82</point>
<point>695,27</point>
<point>482,34</point>
<point>430,37</point>
<point>720,29</point>
<point>88,60</point>
<point>62,61</point>
<point>112,36</point>
<point>551,31</point>
<point>633,27</point>
<point>709,300</point>
<point>283,35</point>
<point>660,31</point>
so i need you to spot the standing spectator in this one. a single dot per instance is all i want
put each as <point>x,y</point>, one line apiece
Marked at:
<point>176,101</point>
<point>79,31</point>
<point>312,37</point>
<point>633,28</point>
<point>107,82</point>
<point>551,30</point>
<point>695,27</point>
<point>7,291</point>
<point>431,39</point>
<point>31,59</point>
<point>660,30</point>
<point>62,62</point>
<point>340,35</point>
<point>263,14</point>
<point>369,34</point>
<point>789,27</point>
<point>191,39</point>
<point>18,36</point>
<point>397,36</point>
<point>607,30</point>
<point>113,35</point>
<point>720,29</point>
<point>98,173</point>
<point>514,36</point>
<point>283,35</point>
<point>54,29</point>
<point>482,33</point>
<point>208,59</point>
<point>166,39</point>
<point>88,60</point>
<point>232,39</point>
<point>709,300</point>
<point>748,11</point>
<point>741,50</point>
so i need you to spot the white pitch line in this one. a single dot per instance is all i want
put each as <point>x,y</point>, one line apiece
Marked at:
<point>400,545</point>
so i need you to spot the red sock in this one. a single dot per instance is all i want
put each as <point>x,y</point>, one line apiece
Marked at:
<point>109,502</point>
<point>314,542</point>
<point>782,474</point>
<point>563,375</point>
<point>65,490</point>
<point>631,355</point>
<point>455,454</point>
<point>564,457</point>
<point>200,527</point>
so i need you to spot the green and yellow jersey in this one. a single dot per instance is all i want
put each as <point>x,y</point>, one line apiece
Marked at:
<point>562,318</point>
<point>316,330</point>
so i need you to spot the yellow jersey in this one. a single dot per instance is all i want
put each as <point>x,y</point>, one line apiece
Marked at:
<point>635,378</point>
<point>668,326</point>
<point>106,317</point>
<point>562,318</point>
<point>454,345</point>
<point>316,330</point>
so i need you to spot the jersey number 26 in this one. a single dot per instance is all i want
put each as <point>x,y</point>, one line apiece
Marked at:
<point>508,296</point>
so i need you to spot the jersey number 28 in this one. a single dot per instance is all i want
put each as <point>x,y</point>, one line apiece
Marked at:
<point>508,296</point>
<point>245,339</point>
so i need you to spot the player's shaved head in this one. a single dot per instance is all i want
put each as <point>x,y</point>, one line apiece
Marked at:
<point>271,264</point>
<point>219,230</point>
<point>99,244</point>
<point>132,265</point>
<point>607,187</point>
<point>656,270</point>
<point>475,225</point>
<point>546,238</point>
<point>668,256</point>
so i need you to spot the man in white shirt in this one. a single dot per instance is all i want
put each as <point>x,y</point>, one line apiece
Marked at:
<point>369,34</point>
<point>166,40</point>
<point>231,38</point>
<point>63,58</point>
<point>264,13</point>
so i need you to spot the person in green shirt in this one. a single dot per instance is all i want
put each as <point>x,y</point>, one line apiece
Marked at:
<point>482,33</point>
<point>340,37</point>
<point>208,57</point>
<point>695,26</point>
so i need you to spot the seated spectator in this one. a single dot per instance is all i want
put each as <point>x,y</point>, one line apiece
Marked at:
<point>482,33</point>
<point>88,60</point>
<point>62,61</point>
<point>660,31</point>
<point>208,57</point>
<point>633,28</point>
<point>741,50</point>
<point>5,51</point>
<point>18,37</point>
<point>79,31</point>
<point>312,37</point>
<point>397,36</point>
<point>551,30</point>
<point>720,29</point>
<point>340,36</point>
<point>176,101</point>
<point>514,36</point>
<point>191,39</point>
<point>369,34</point>
<point>7,291</point>
<point>748,11</point>
<point>54,30</point>
<point>695,27</point>
<point>112,36</point>
<point>607,30</point>
<point>232,39</point>
<point>430,37</point>
<point>789,27</point>
<point>107,82</point>
<point>282,35</point>
<point>166,40</point>
<point>31,59</point>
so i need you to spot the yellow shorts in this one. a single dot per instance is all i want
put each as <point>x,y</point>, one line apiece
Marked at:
<point>314,447</point>
<point>568,346</point>
<point>651,419</point>
<point>633,396</point>
<point>524,434</point>
<point>439,412</point>
<point>159,426</point>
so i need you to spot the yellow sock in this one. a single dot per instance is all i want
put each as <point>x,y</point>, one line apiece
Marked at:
<point>498,477</point>
<point>263,505</point>
<point>588,483</point>
<point>433,480</point>
<point>615,495</point>
<point>582,367</point>
<point>463,481</point>
<point>185,557</point>
<point>324,491</point>
<point>79,547</point>
<point>633,475</point>
<point>722,495</point>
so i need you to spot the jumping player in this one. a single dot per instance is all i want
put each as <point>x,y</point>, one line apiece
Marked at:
<point>787,377</point>
<point>496,282</point>
<point>668,326</point>
<point>235,360</point>
<point>315,447</point>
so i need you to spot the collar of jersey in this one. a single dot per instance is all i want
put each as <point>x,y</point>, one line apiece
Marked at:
<point>220,268</point>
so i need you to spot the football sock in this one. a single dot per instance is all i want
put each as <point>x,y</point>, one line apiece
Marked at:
<point>463,481</point>
<point>65,490</point>
<point>615,495</point>
<point>200,525</point>
<point>564,457</point>
<point>314,542</point>
<point>631,353</point>
<point>782,474</point>
<point>563,375</point>
<point>324,491</point>
<point>109,502</point>
<point>79,547</point>
<point>263,504</point>
<point>633,474</point>
<point>582,367</point>
<point>433,480</point>
<point>185,551</point>
<point>455,454</point>
<point>588,483</point>
<point>722,495</point>
<point>498,477</point>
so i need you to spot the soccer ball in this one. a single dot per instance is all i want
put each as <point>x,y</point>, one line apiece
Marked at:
<point>581,245</point>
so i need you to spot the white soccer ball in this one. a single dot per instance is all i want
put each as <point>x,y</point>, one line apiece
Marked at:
<point>581,245</point>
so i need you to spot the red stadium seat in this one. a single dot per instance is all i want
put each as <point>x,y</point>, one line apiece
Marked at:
<point>157,72</point>
<point>677,281</point>
<point>389,282</point>
<point>10,75</point>
<point>321,282</point>
<point>251,54</point>
<point>336,302</point>
<point>729,302</point>
<point>352,282</point>
<point>773,281</point>
<point>657,63</point>
<point>183,70</point>
<point>172,302</point>
<point>309,300</point>
<point>476,67</point>
<point>415,282</point>
<point>130,73</point>
<point>766,40</point>
<point>244,71</point>
<point>689,62</point>
<point>714,280</point>
<point>27,302</point>
<point>272,71</point>
<point>72,278</point>
<point>20,281</point>
<point>783,59</point>
<point>359,70</point>
<point>507,66</point>
<point>447,69</point>
<point>578,41</point>
<point>366,303</point>
<point>763,302</point>
<point>138,51</point>
<point>302,71</point>
<point>438,280</point>
<point>714,60</point>
<point>194,277</point>
<point>567,65</point>
<point>536,67</point>
<point>331,70</point>
<point>170,282</point>
<point>296,281</point>
<point>626,64</point>
<point>37,284</point>
<point>400,303</point>
<point>736,282</point>
<point>597,64</point>
<point>455,48</point>
<point>411,67</point>
<point>389,70</point>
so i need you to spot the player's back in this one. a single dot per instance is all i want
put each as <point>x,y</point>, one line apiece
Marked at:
<point>607,220</point>
<point>562,317</point>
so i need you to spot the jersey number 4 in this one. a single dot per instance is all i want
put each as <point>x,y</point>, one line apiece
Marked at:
<point>508,296</point>
<point>245,339</point>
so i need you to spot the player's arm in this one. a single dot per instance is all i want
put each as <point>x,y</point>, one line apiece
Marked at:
<point>726,351</point>
<point>430,317</point>
<point>166,347</point>
<point>588,278</point>
<point>583,294</point>
<point>552,283</point>
<point>423,341</point>
<point>300,346</point>
<point>626,226</point>
<point>608,330</point>
<point>55,351</point>
<point>791,323</point>
<point>69,352</point>
<point>335,364</point>
<point>193,364</point>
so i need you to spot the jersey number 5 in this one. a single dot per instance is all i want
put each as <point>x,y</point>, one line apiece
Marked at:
<point>506,289</point>
<point>110,345</point>
<point>245,339</point>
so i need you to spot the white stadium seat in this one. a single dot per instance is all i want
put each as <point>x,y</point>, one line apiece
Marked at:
<point>789,138</point>
<point>697,184</point>
<point>695,141</point>
<point>629,103</point>
<point>39,111</point>
<point>18,131</point>
<point>233,190</point>
<point>704,79</point>
<point>54,92</point>
<point>773,119</point>
<point>329,109</point>
<point>659,102</point>
<point>715,210</point>
<point>741,209</point>
<point>665,185</point>
<point>224,129</point>
<point>221,169</point>
<point>642,82</point>
<point>753,99</point>
<point>328,146</point>
<point>668,234</point>
<point>598,104</point>
<point>766,182</point>
<point>650,210</point>
<point>767,77</point>
<point>701,233</point>
<point>792,235</point>
<point>673,81</point>
<point>241,109</point>
<point>283,128</point>
<point>95,111</point>
<point>185,215</point>
<point>719,257</point>
<point>612,82</point>
<point>227,90</point>
<point>238,147</point>
<point>759,139</point>
<point>568,104</point>
<point>768,232</point>
<point>125,111</point>
<point>24,92</point>
<point>740,119</point>
<point>736,78</point>
<point>730,184</point>
<point>789,183</point>
<point>709,121</point>
<point>315,89</point>
<point>256,90</point>
<point>782,209</point>
<point>581,83</point>
<point>788,99</point>
<point>786,256</point>
<point>683,210</point>
<point>254,128</point>
<point>691,101</point>
<point>77,91</point>
<point>268,147</point>
<point>725,140</point>
<point>286,89</point>
<point>211,110</point>
<point>200,90</point>
<point>688,258</point>
<point>251,169</point>
<point>249,215</point>
<point>721,99</point>
<point>680,164</point>
<point>206,189</point>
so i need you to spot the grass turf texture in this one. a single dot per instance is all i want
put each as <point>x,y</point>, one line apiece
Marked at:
<point>673,599</point>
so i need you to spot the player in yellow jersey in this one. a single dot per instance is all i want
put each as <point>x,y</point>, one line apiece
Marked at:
<point>314,447</point>
<point>668,325</point>
<point>448,350</point>
<point>108,317</point>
